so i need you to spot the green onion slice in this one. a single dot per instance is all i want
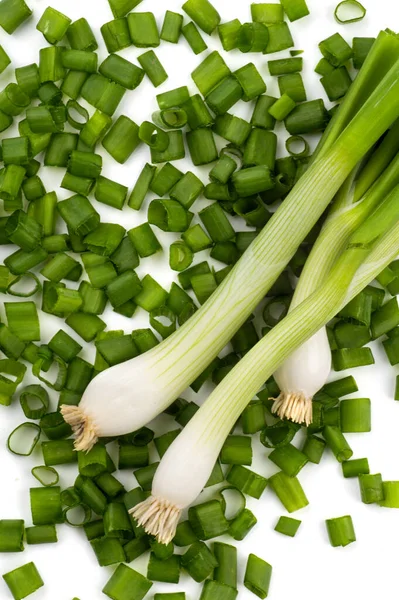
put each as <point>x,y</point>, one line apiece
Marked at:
<point>22,441</point>
<point>278,435</point>
<point>47,476</point>
<point>77,515</point>
<point>24,291</point>
<point>233,502</point>
<point>349,11</point>
<point>297,146</point>
<point>75,110</point>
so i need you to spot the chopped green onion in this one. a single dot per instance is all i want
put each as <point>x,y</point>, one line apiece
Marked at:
<point>289,459</point>
<point>202,147</point>
<point>313,448</point>
<point>349,358</point>
<point>355,415</point>
<point>116,35</point>
<point>11,535</point>
<point>257,577</point>
<point>289,491</point>
<point>337,442</point>
<point>391,494</point>
<point>167,570</point>
<point>46,505</point>
<point>355,467</point>
<point>34,401</point>
<point>203,13</point>
<point>287,526</point>
<point>122,139</point>
<point>143,30</point>
<point>141,187</point>
<point>144,240</point>
<point>171,27</point>
<point>21,442</point>
<point>108,551</point>
<point>361,47</point>
<point>371,488</point>
<point>228,34</point>
<point>199,561</point>
<point>356,12</point>
<point>340,531</point>
<point>295,9</point>
<point>336,83</point>
<point>41,534</point>
<point>336,50</point>
<point>126,582</point>
<point>252,37</point>
<point>280,38</point>
<point>247,481</point>
<point>24,580</point>
<point>153,68</point>
<point>194,38</point>
<point>282,107</point>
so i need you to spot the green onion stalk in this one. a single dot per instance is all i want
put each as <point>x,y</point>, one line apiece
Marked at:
<point>306,370</point>
<point>160,375</point>
<point>188,462</point>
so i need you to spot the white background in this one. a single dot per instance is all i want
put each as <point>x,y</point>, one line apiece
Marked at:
<point>304,567</point>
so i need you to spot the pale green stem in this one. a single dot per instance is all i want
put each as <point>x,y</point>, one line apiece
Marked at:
<point>338,227</point>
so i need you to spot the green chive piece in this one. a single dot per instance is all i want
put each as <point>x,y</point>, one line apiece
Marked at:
<point>41,534</point>
<point>280,38</point>
<point>267,13</point>
<point>355,415</point>
<point>257,576</point>
<point>371,488</point>
<point>287,526</point>
<point>58,452</point>
<point>289,491</point>
<point>341,531</point>
<point>226,93</point>
<point>357,12</point>
<point>210,72</point>
<point>143,30</point>
<point>203,13</point>
<point>80,36</point>
<point>289,459</point>
<point>108,551</point>
<point>12,14</point>
<point>356,467</point>
<point>194,38</point>
<point>208,520</point>
<point>199,561</point>
<point>361,47</point>
<point>127,581</point>
<point>228,34</point>
<point>171,27</point>
<point>153,68</point>
<point>34,401</point>
<point>11,535</point>
<point>336,50</point>
<point>24,580</point>
<point>46,505</point>
<point>116,35</point>
<point>103,94</point>
<point>337,442</point>
<point>166,570</point>
<point>215,589</point>
<point>242,524</point>
<point>391,494</point>
<point>313,448</point>
<point>53,25</point>
<point>295,9</point>
<point>226,571</point>
<point>120,8</point>
<point>141,187</point>
<point>253,37</point>
<point>185,535</point>
<point>4,60</point>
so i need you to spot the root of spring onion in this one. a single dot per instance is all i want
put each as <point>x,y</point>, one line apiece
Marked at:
<point>188,462</point>
<point>126,397</point>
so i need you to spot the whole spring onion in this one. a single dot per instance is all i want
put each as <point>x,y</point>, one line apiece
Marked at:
<point>159,377</point>
<point>188,462</point>
<point>307,369</point>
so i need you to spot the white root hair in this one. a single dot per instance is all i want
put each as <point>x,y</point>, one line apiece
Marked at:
<point>158,517</point>
<point>295,407</point>
<point>82,426</point>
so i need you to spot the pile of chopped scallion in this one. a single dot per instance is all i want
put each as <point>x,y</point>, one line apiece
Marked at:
<point>66,262</point>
